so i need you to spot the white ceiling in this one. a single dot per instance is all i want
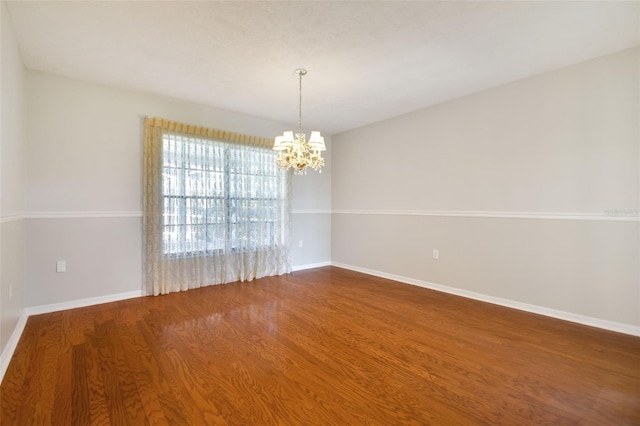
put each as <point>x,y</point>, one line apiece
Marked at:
<point>367,61</point>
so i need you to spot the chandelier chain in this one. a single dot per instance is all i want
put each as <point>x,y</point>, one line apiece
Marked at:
<point>300,103</point>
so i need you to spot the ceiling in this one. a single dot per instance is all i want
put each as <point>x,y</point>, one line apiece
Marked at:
<point>367,61</point>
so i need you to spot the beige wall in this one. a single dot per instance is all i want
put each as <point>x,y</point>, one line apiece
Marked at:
<point>84,192</point>
<point>12,223</point>
<point>558,153</point>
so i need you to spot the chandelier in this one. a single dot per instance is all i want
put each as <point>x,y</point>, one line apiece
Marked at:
<point>294,151</point>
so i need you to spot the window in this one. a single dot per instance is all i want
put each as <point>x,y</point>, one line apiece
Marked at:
<point>215,208</point>
<point>218,197</point>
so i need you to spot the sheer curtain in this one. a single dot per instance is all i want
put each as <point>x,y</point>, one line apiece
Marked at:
<point>216,208</point>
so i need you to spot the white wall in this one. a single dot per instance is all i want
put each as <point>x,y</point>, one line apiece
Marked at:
<point>84,186</point>
<point>12,223</point>
<point>564,143</point>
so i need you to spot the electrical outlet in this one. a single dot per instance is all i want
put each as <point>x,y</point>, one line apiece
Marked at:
<point>61,266</point>
<point>436,253</point>
<point>300,243</point>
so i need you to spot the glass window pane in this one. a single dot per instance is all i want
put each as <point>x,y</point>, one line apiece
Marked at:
<point>196,210</point>
<point>216,237</point>
<point>218,196</point>
<point>172,179</point>
<point>172,210</point>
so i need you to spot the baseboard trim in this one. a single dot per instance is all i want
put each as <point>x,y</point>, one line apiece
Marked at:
<point>12,344</point>
<point>81,303</point>
<point>310,266</point>
<point>541,310</point>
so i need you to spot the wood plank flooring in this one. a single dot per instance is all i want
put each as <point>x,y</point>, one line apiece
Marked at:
<point>319,347</point>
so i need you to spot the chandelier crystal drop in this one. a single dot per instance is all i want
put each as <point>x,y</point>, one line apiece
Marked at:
<point>294,151</point>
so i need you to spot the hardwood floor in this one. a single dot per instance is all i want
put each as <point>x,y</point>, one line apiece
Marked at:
<point>320,347</point>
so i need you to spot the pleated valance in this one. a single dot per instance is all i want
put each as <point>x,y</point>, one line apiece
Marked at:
<point>205,132</point>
